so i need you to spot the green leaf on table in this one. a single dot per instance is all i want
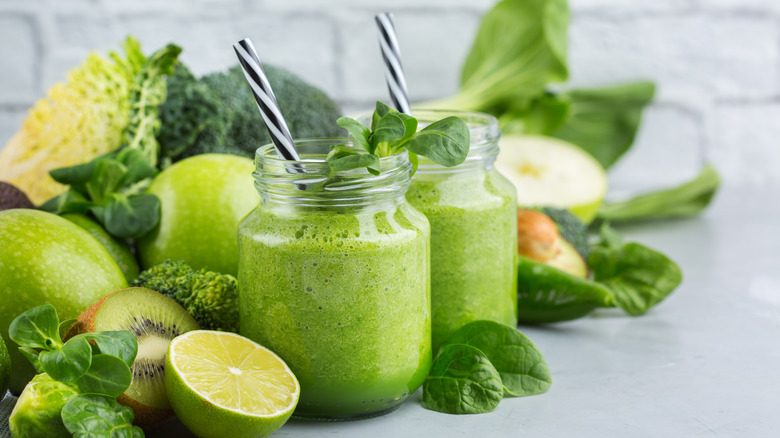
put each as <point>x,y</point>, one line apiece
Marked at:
<point>69,362</point>
<point>604,121</point>
<point>462,381</point>
<point>445,141</point>
<point>92,415</point>
<point>36,328</point>
<point>128,217</point>
<point>518,361</point>
<point>121,344</point>
<point>688,199</point>
<point>638,277</point>
<point>520,47</point>
<point>107,375</point>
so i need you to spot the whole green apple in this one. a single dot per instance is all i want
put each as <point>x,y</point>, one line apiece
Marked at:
<point>203,199</point>
<point>46,259</point>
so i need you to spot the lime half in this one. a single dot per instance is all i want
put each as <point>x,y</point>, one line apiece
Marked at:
<point>222,384</point>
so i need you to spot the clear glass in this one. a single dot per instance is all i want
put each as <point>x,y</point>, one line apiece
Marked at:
<point>335,278</point>
<point>472,210</point>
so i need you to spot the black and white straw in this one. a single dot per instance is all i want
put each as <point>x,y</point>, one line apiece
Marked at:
<point>266,101</point>
<point>391,53</point>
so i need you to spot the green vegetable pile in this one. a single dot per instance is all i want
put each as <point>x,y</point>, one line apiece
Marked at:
<point>515,71</point>
<point>211,297</point>
<point>79,381</point>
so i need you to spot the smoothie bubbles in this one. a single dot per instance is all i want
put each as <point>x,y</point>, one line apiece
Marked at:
<point>334,271</point>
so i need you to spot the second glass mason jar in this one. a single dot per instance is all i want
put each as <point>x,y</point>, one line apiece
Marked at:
<point>472,210</point>
<point>335,278</point>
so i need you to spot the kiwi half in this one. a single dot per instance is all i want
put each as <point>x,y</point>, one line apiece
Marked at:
<point>155,320</point>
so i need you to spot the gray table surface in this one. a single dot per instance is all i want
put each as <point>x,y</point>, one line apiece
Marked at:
<point>705,362</point>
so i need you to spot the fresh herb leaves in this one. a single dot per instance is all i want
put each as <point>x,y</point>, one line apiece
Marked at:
<point>478,363</point>
<point>90,415</point>
<point>521,365</point>
<point>638,277</point>
<point>462,381</point>
<point>445,141</point>
<point>98,364</point>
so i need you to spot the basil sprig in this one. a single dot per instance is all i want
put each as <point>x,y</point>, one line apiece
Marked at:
<point>445,141</point>
<point>97,364</point>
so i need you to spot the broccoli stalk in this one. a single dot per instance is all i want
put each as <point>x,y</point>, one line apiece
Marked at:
<point>211,297</point>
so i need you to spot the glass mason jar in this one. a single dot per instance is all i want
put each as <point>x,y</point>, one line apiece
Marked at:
<point>472,210</point>
<point>334,271</point>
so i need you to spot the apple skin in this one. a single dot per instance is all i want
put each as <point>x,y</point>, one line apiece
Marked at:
<point>47,259</point>
<point>203,199</point>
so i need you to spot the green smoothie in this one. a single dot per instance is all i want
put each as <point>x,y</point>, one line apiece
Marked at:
<point>473,217</point>
<point>342,294</point>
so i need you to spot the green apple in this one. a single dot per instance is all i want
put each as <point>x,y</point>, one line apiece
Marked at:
<point>203,199</point>
<point>5,367</point>
<point>46,259</point>
<point>549,172</point>
<point>118,249</point>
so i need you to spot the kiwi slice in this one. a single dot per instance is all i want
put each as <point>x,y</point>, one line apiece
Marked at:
<point>155,320</point>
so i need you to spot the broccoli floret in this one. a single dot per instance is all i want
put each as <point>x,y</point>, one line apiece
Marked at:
<point>211,297</point>
<point>234,126</point>
<point>571,228</point>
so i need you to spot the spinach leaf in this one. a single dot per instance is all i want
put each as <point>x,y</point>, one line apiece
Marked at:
<point>638,277</point>
<point>108,375</point>
<point>445,142</point>
<point>604,121</point>
<point>520,47</point>
<point>688,199</point>
<point>36,328</point>
<point>462,381</point>
<point>379,112</point>
<point>92,415</point>
<point>69,362</point>
<point>356,161</point>
<point>544,115</point>
<point>360,133</point>
<point>518,361</point>
<point>121,344</point>
<point>389,128</point>
<point>128,217</point>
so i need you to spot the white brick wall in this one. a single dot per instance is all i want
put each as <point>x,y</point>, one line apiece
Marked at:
<point>717,62</point>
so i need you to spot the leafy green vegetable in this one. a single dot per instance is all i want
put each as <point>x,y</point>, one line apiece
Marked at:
<point>112,186</point>
<point>90,415</point>
<point>211,297</point>
<point>638,277</point>
<point>218,114</point>
<point>520,47</point>
<point>604,121</point>
<point>100,368</point>
<point>518,361</point>
<point>37,412</point>
<point>462,381</point>
<point>445,141</point>
<point>689,199</point>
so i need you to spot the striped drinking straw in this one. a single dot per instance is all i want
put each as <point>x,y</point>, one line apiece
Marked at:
<point>391,53</point>
<point>266,101</point>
